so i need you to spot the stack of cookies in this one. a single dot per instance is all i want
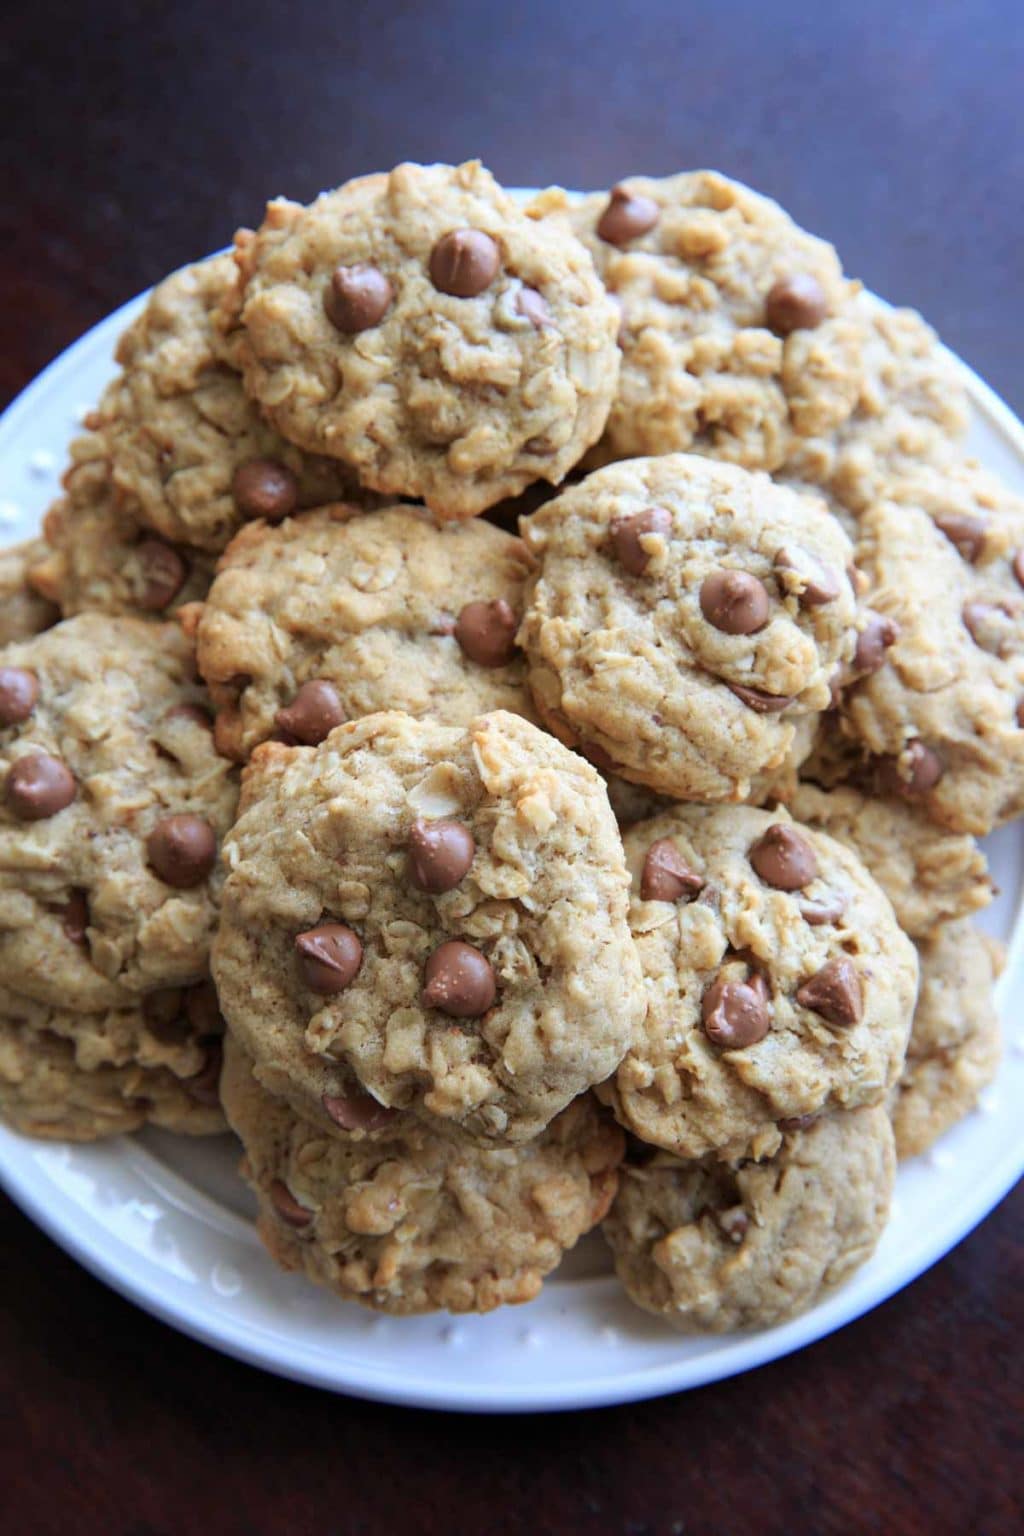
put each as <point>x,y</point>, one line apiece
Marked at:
<point>501,716</point>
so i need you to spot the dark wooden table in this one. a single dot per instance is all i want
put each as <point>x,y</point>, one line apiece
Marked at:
<point>136,136</point>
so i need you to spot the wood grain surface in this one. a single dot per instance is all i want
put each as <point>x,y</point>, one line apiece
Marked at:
<point>137,136</point>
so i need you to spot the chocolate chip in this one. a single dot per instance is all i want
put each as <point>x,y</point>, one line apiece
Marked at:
<point>734,1223</point>
<point>163,573</point>
<point>440,853</point>
<point>329,957</point>
<point>828,909</point>
<point>795,303</point>
<point>75,916</point>
<point>19,690</point>
<point>735,1013</point>
<point>628,532</point>
<point>797,1123</point>
<point>38,787</point>
<point>182,850</point>
<point>734,602</point>
<point>983,622</point>
<point>834,992</point>
<point>762,703</point>
<point>487,632</point>
<point>532,307</point>
<point>666,876</point>
<point>1018,566</point>
<point>355,1111</point>
<point>313,713</point>
<point>265,488</point>
<point>878,634</point>
<point>204,1086</point>
<point>1020,713</point>
<point>464,263</point>
<point>925,770</point>
<point>817,584</point>
<point>202,1009</point>
<point>784,858</point>
<point>965,531</point>
<point>357,298</point>
<point>626,217</point>
<point>287,1207</point>
<point>458,980</point>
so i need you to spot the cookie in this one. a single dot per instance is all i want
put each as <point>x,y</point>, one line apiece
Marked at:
<point>955,1043</point>
<point>684,616</point>
<point>943,716</point>
<point>432,916</point>
<point>328,617</point>
<point>931,876</point>
<point>80,1077</point>
<point>421,328</point>
<point>736,331</point>
<point>712,1247</point>
<point>911,406</point>
<point>100,558</point>
<point>188,449</point>
<point>778,983</point>
<point>23,612</point>
<point>420,1221</point>
<point>112,804</point>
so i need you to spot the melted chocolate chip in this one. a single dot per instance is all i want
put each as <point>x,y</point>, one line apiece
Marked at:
<point>487,632</point>
<point>735,1013</point>
<point>1018,566</point>
<point>963,530</point>
<point>834,993</point>
<point>163,573</point>
<point>734,602</point>
<point>922,771</point>
<point>19,691</point>
<point>458,980</point>
<point>440,853</point>
<point>666,876</point>
<point>628,533</point>
<point>357,298</point>
<point>287,1207</point>
<point>38,787</point>
<point>784,858</point>
<point>464,263</point>
<point>75,916</point>
<point>357,1111</point>
<point>762,703</point>
<point>878,634</point>
<point>313,713</point>
<point>817,584</point>
<point>329,957</point>
<point>795,303</point>
<point>532,307</point>
<point>182,850</point>
<point>626,216</point>
<point>265,488</point>
<point>828,909</point>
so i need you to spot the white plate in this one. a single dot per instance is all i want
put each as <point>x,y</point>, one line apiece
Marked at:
<point>167,1222</point>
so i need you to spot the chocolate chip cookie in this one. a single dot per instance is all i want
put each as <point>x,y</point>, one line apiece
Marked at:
<point>98,555</point>
<point>23,612</point>
<point>684,617</point>
<point>942,719</point>
<point>112,804</point>
<point>736,330</point>
<point>72,1076</point>
<point>778,983</point>
<point>434,917</point>
<point>955,1043</point>
<point>421,328</point>
<point>711,1246</point>
<point>420,1221</point>
<point>188,448</point>
<point>329,616</point>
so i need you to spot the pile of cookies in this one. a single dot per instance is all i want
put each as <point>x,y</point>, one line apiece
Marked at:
<point>500,716</point>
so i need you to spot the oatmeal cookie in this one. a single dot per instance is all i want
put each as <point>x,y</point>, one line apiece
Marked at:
<point>420,327</point>
<point>112,802</point>
<point>23,612</point>
<point>684,616</point>
<point>955,1043</point>
<point>433,915</point>
<point>188,449</point>
<point>778,983</point>
<point>712,1247</point>
<point>79,1077</point>
<point>736,330</point>
<point>329,617</point>
<point>420,1221</point>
